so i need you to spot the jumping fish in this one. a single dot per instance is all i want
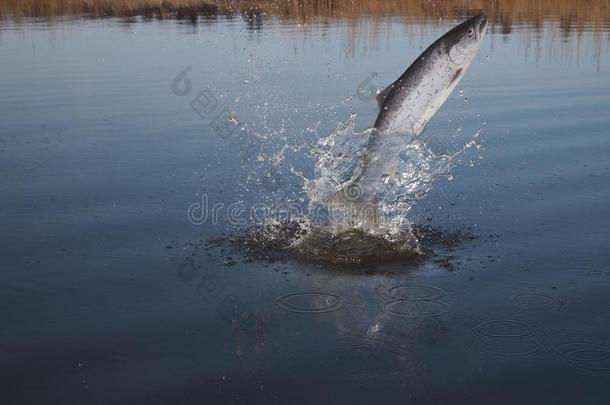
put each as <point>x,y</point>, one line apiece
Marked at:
<point>406,106</point>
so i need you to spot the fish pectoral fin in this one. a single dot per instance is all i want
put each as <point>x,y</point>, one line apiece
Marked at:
<point>383,94</point>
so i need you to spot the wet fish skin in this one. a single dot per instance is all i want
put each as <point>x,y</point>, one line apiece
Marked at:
<point>407,105</point>
<point>423,88</point>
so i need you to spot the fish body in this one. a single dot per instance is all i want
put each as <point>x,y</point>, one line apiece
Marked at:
<point>409,103</point>
<point>406,106</point>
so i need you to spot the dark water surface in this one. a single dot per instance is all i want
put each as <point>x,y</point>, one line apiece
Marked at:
<point>110,294</point>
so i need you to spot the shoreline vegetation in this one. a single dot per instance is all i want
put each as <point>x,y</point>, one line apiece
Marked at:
<point>568,19</point>
<point>571,15</point>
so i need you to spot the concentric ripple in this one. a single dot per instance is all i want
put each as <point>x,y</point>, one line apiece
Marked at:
<point>416,309</point>
<point>535,301</point>
<point>309,302</point>
<point>413,292</point>
<point>585,355</point>
<point>508,338</point>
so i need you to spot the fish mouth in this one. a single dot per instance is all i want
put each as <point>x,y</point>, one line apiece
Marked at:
<point>482,25</point>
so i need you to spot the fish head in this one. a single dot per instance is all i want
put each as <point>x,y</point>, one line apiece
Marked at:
<point>463,41</point>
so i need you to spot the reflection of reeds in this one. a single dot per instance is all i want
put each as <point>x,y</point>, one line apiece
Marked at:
<point>107,8</point>
<point>570,17</point>
<point>572,14</point>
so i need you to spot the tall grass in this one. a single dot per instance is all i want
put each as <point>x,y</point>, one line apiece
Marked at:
<point>572,14</point>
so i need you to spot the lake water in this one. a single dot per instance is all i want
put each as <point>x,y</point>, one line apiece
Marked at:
<point>119,284</point>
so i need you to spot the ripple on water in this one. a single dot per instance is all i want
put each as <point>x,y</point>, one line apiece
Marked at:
<point>413,292</point>
<point>310,302</point>
<point>506,328</point>
<point>416,309</point>
<point>585,355</point>
<point>508,338</point>
<point>536,301</point>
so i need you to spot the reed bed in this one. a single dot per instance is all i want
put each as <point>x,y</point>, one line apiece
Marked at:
<point>571,14</point>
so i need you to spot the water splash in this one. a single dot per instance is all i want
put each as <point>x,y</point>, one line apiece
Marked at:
<point>340,161</point>
<point>280,240</point>
<point>320,235</point>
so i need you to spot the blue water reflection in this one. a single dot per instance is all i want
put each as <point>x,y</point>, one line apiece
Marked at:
<point>109,294</point>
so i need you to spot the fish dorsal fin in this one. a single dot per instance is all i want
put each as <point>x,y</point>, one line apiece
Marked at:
<point>381,96</point>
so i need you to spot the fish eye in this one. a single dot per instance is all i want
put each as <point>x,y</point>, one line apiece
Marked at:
<point>470,32</point>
